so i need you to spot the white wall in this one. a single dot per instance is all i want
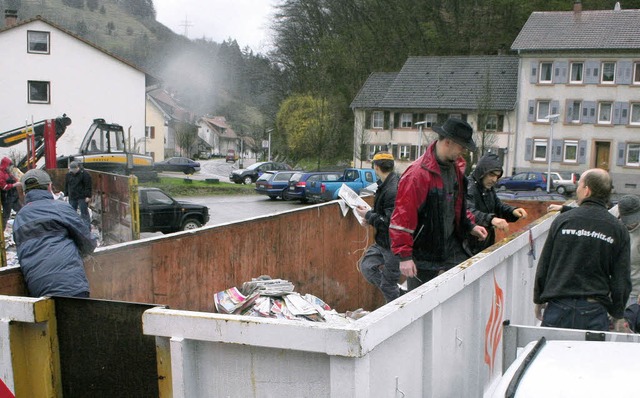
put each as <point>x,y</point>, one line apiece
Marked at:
<point>85,83</point>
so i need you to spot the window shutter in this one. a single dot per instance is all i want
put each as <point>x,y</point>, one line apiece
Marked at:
<point>531,113</point>
<point>533,77</point>
<point>500,126</point>
<point>623,72</point>
<point>589,112</point>
<point>528,149</point>
<point>394,150</point>
<point>592,75</point>
<point>620,156</point>
<point>624,113</point>
<point>152,132</point>
<point>555,107</point>
<point>568,106</point>
<point>415,119</point>
<point>560,72</point>
<point>364,153</point>
<point>386,120</point>
<point>414,149</point>
<point>396,119</point>
<point>616,112</point>
<point>582,151</point>
<point>556,151</point>
<point>367,119</point>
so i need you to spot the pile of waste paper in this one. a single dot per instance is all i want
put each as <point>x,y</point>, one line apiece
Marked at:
<point>275,298</point>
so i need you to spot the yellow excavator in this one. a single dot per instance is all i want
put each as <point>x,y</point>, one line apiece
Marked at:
<point>103,148</point>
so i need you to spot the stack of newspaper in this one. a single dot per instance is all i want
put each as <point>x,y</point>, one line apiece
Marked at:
<point>268,287</point>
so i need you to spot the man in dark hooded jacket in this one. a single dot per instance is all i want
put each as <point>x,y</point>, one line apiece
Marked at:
<point>8,191</point>
<point>485,205</point>
<point>51,240</point>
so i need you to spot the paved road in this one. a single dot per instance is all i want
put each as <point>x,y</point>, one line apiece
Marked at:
<point>213,168</point>
<point>223,209</point>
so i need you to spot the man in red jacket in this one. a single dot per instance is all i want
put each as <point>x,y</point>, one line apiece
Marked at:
<point>431,220</point>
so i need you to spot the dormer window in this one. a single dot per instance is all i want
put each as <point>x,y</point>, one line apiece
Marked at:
<point>37,42</point>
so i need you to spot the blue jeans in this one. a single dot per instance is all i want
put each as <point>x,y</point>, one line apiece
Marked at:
<point>84,208</point>
<point>574,313</point>
<point>382,269</point>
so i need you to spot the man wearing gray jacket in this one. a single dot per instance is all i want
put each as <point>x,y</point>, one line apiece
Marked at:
<point>51,240</point>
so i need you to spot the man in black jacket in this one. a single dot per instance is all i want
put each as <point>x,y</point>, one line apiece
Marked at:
<point>378,264</point>
<point>584,272</point>
<point>485,205</point>
<point>77,187</point>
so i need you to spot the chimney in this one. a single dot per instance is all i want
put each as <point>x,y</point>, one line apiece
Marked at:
<point>10,18</point>
<point>577,6</point>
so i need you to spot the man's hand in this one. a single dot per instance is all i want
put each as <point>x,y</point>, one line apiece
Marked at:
<point>520,213</point>
<point>621,326</point>
<point>408,268</point>
<point>538,310</point>
<point>479,232</point>
<point>554,207</point>
<point>361,210</point>
<point>500,223</point>
<point>87,200</point>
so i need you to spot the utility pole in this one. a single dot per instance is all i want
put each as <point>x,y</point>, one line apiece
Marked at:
<point>186,24</point>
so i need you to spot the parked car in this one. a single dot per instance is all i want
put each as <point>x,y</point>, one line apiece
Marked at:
<point>159,212</point>
<point>274,183</point>
<point>298,183</point>
<point>356,179</point>
<point>530,195</point>
<point>251,173</point>
<point>524,181</point>
<point>231,156</point>
<point>185,165</point>
<point>564,182</point>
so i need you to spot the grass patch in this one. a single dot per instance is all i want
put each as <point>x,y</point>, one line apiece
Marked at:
<point>179,187</point>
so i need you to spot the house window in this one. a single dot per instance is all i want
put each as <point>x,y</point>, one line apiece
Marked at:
<point>406,120</point>
<point>38,92</point>
<point>492,123</point>
<point>608,73</point>
<point>570,151</point>
<point>430,119</point>
<point>456,115</point>
<point>405,151</point>
<point>373,149</point>
<point>576,72</point>
<point>150,132</point>
<point>377,120</point>
<point>576,110</point>
<point>636,73</point>
<point>604,112</point>
<point>543,111</point>
<point>633,154</point>
<point>635,114</point>
<point>540,149</point>
<point>38,42</point>
<point>546,69</point>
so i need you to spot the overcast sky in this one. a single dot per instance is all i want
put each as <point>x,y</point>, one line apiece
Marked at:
<point>247,21</point>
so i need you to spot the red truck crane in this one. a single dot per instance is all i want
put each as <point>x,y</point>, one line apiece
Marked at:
<point>41,140</point>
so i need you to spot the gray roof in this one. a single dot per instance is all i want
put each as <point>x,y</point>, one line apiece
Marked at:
<point>584,30</point>
<point>374,90</point>
<point>454,83</point>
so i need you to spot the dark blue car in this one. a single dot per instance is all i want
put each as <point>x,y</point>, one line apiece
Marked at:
<point>273,183</point>
<point>298,183</point>
<point>524,181</point>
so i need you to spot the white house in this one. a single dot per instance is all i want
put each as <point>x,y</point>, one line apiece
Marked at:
<point>584,67</point>
<point>47,71</point>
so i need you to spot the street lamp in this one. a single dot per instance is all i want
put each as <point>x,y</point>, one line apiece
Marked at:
<point>420,124</point>
<point>552,120</point>
<point>269,156</point>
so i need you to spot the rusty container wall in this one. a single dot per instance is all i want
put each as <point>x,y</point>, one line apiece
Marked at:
<point>534,208</point>
<point>110,203</point>
<point>315,248</point>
